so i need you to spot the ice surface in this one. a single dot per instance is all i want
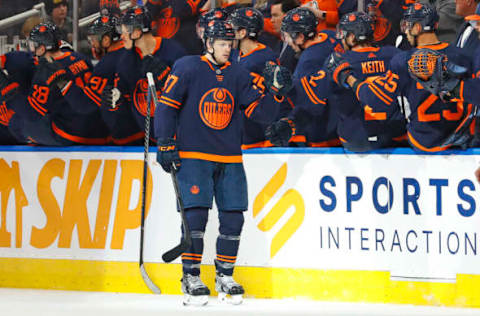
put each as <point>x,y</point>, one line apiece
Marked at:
<point>18,302</point>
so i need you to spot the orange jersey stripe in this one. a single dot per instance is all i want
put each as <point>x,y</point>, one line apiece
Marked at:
<point>329,143</point>
<point>170,100</point>
<point>79,139</point>
<point>89,93</point>
<point>169,104</point>
<point>36,106</point>
<point>421,147</point>
<point>311,95</point>
<point>210,157</point>
<point>263,144</point>
<point>126,140</point>
<point>376,92</point>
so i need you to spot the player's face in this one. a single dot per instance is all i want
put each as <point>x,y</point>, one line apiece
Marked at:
<point>36,49</point>
<point>412,31</point>
<point>127,42</point>
<point>200,31</point>
<point>222,49</point>
<point>240,34</point>
<point>94,42</point>
<point>277,16</point>
<point>348,42</point>
<point>293,43</point>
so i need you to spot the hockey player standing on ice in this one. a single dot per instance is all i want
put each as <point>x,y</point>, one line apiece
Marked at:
<point>252,55</point>
<point>201,105</point>
<point>147,53</point>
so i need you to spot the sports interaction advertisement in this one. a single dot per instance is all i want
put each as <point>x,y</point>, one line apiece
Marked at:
<point>412,218</point>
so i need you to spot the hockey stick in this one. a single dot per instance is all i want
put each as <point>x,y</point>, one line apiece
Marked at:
<point>186,241</point>
<point>151,96</point>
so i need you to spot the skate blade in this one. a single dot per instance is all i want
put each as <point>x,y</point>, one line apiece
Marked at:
<point>198,300</point>
<point>230,299</point>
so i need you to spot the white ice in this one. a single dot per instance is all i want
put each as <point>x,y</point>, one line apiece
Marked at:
<point>18,302</point>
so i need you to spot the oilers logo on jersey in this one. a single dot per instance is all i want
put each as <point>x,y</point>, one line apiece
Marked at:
<point>140,97</point>
<point>216,108</point>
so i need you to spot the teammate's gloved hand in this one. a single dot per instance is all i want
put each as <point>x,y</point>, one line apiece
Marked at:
<point>280,132</point>
<point>158,69</point>
<point>278,79</point>
<point>167,154</point>
<point>111,97</point>
<point>339,69</point>
<point>7,89</point>
<point>53,73</point>
<point>436,74</point>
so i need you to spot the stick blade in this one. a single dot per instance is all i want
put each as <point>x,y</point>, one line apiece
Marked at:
<point>175,252</point>
<point>155,289</point>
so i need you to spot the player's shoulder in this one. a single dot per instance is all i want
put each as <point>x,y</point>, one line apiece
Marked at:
<point>328,34</point>
<point>389,50</point>
<point>16,58</point>
<point>401,58</point>
<point>187,64</point>
<point>173,46</point>
<point>268,53</point>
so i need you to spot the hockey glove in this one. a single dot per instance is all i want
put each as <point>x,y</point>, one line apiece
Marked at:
<point>278,79</point>
<point>167,154</point>
<point>8,89</point>
<point>52,73</point>
<point>158,69</point>
<point>280,132</point>
<point>339,69</point>
<point>111,97</point>
<point>436,74</point>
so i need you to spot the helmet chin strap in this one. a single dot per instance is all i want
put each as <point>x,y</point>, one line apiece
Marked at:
<point>133,40</point>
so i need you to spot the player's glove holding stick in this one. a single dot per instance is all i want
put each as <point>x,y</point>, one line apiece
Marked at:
<point>167,154</point>
<point>159,69</point>
<point>436,74</point>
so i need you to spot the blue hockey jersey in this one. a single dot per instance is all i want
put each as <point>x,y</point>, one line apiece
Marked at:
<point>254,62</point>
<point>430,120</point>
<point>201,104</point>
<point>76,123</point>
<point>131,81</point>
<point>120,121</point>
<point>318,131</point>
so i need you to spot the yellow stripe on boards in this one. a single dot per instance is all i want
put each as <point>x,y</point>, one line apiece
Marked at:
<point>325,285</point>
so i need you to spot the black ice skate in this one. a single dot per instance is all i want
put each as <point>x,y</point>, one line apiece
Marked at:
<point>195,292</point>
<point>228,290</point>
